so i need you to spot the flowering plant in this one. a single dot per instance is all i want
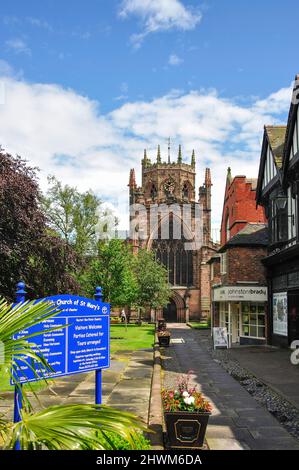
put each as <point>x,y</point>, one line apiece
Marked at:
<point>184,398</point>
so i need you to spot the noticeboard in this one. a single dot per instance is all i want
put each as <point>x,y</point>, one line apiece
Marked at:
<point>82,346</point>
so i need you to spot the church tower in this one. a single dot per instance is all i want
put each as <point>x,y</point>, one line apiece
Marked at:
<point>177,227</point>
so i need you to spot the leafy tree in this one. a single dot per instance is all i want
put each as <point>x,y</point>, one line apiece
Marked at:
<point>27,249</point>
<point>53,268</point>
<point>73,215</point>
<point>113,271</point>
<point>22,222</point>
<point>153,286</point>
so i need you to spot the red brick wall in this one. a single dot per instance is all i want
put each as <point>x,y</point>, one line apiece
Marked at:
<point>240,207</point>
<point>216,274</point>
<point>244,264</point>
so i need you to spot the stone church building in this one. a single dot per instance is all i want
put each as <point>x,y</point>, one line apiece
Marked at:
<point>176,224</point>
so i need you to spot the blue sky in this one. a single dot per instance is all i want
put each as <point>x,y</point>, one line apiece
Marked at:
<point>119,75</point>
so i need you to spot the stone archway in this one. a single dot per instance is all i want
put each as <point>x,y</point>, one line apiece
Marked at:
<point>175,311</point>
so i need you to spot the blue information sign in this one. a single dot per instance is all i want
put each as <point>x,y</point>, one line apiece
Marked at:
<point>82,346</point>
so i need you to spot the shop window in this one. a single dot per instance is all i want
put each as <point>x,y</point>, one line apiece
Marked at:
<point>278,222</point>
<point>224,315</point>
<point>253,320</point>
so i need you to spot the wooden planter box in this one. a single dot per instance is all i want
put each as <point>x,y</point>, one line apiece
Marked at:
<point>164,341</point>
<point>186,430</point>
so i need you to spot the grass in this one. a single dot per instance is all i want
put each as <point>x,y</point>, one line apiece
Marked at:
<point>199,325</point>
<point>6,387</point>
<point>136,337</point>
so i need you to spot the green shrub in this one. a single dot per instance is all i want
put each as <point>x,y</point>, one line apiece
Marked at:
<point>119,443</point>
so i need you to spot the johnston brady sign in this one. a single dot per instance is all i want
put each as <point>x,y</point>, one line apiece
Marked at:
<point>240,293</point>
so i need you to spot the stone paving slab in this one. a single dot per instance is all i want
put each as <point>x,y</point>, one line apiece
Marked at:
<point>126,386</point>
<point>237,421</point>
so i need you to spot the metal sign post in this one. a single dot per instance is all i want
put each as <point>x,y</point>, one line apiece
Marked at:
<point>18,396</point>
<point>98,373</point>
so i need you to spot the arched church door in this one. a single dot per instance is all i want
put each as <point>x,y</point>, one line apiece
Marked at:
<point>170,312</point>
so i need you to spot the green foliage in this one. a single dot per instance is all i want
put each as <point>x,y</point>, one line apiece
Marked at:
<point>113,271</point>
<point>119,443</point>
<point>73,427</point>
<point>127,279</point>
<point>153,286</point>
<point>73,215</point>
<point>28,250</point>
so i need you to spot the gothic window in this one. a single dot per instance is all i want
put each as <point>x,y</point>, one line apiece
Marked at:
<point>154,192</point>
<point>185,192</point>
<point>172,254</point>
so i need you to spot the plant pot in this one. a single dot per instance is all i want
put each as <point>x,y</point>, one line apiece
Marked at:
<point>164,340</point>
<point>186,430</point>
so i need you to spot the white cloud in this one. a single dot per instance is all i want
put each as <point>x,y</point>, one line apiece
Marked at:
<point>175,60</point>
<point>67,135</point>
<point>5,69</point>
<point>159,15</point>
<point>18,46</point>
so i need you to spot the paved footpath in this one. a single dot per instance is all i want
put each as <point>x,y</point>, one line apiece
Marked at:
<point>126,386</point>
<point>273,367</point>
<point>238,422</point>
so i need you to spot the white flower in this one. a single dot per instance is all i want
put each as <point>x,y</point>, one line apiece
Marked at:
<point>185,394</point>
<point>189,400</point>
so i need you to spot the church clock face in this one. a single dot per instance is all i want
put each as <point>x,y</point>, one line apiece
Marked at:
<point>169,186</point>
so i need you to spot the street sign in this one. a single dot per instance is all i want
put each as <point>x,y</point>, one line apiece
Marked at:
<point>82,346</point>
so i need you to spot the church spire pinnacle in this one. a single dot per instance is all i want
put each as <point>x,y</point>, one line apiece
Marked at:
<point>180,159</point>
<point>193,159</point>
<point>132,180</point>
<point>229,176</point>
<point>159,155</point>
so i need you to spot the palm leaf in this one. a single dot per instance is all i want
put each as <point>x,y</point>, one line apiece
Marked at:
<point>72,427</point>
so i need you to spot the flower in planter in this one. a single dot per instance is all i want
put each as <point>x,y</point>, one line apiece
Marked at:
<point>185,398</point>
<point>163,333</point>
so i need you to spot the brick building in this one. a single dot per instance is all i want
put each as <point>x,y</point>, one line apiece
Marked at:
<point>239,206</point>
<point>239,291</point>
<point>168,191</point>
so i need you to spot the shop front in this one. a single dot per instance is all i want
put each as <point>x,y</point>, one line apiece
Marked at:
<point>284,298</point>
<point>243,311</point>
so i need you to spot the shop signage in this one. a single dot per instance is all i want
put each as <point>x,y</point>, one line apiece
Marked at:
<point>220,337</point>
<point>280,313</point>
<point>240,293</point>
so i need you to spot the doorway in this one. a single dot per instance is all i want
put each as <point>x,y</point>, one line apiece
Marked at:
<point>170,312</point>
